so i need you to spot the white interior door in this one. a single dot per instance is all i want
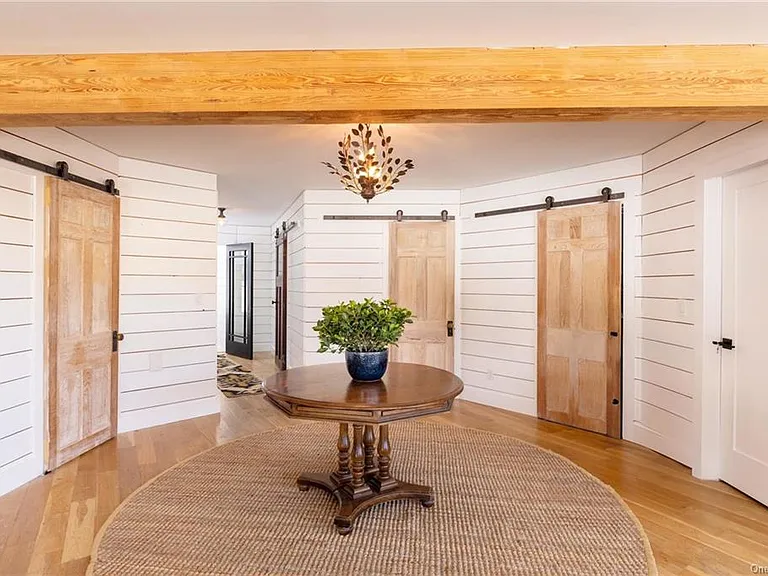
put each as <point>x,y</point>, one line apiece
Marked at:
<point>744,405</point>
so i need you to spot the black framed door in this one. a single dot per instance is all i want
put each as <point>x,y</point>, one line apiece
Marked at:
<point>239,340</point>
<point>281,300</point>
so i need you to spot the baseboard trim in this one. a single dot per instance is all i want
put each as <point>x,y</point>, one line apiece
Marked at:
<point>18,473</point>
<point>148,417</point>
<point>496,399</point>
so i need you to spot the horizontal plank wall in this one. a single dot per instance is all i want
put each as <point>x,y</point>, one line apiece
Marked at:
<point>21,289</point>
<point>671,346</point>
<point>349,259</point>
<point>296,257</point>
<point>167,294</point>
<point>17,461</point>
<point>498,277</point>
<point>263,281</point>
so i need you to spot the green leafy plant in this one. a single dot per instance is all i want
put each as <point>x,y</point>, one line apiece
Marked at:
<point>367,326</point>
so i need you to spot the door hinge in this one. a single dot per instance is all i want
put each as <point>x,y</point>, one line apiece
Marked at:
<point>725,343</point>
<point>449,327</point>
<point>116,337</point>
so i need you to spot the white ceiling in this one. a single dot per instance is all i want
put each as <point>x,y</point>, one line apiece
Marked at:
<point>262,169</point>
<point>72,27</point>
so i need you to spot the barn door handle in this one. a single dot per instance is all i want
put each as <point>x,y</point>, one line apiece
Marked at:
<point>116,337</point>
<point>449,327</point>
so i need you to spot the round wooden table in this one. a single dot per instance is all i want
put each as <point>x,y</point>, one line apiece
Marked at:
<point>326,392</point>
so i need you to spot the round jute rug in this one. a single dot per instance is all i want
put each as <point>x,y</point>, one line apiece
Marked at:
<point>503,507</point>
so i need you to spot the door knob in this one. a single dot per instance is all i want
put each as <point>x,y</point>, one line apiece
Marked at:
<point>725,343</point>
<point>449,327</point>
<point>116,337</point>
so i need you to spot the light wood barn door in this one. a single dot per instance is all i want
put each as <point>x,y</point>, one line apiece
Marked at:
<point>422,280</point>
<point>81,299</point>
<point>579,317</point>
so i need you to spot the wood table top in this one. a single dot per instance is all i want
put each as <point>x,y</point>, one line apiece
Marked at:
<point>329,388</point>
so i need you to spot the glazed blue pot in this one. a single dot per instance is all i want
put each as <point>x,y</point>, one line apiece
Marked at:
<point>367,366</point>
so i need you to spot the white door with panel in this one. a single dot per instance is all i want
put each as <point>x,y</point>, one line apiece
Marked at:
<point>744,401</point>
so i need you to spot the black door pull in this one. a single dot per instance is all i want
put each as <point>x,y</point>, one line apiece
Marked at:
<point>725,343</point>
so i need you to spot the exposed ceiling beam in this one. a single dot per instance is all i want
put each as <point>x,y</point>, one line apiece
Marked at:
<point>424,85</point>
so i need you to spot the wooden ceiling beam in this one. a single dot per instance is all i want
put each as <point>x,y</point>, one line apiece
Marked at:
<point>413,85</point>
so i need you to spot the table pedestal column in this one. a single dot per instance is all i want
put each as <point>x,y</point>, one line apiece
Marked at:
<point>363,484</point>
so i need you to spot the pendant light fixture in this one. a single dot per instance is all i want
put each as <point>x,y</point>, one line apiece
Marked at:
<point>367,166</point>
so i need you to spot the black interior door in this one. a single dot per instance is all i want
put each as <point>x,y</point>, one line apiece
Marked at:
<point>281,300</point>
<point>239,340</point>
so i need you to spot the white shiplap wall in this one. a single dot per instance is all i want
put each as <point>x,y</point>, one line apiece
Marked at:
<point>671,345</point>
<point>296,256</point>
<point>263,281</point>
<point>349,259</point>
<point>167,294</point>
<point>21,289</point>
<point>498,277</point>
<point>17,441</point>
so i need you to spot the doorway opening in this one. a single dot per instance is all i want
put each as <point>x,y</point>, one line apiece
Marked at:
<point>239,336</point>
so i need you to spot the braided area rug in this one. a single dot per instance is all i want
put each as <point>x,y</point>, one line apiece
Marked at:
<point>503,507</point>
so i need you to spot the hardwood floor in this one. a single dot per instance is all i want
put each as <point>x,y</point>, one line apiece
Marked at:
<point>696,528</point>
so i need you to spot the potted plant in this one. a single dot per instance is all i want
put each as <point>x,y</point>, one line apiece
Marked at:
<point>363,331</point>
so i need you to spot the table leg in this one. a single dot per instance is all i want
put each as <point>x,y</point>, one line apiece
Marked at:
<point>357,488</point>
<point>342,475</point>
<point>382,480</point>
<point>357,491</point>
<point>369,439</point>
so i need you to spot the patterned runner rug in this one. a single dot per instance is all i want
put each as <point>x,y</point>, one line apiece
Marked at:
<point>234,380</point>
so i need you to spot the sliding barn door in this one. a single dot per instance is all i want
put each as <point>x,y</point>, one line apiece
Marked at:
<point>281,301</point>
<point>81,298</point>
<point>579,317</point>
<point>422,280</point>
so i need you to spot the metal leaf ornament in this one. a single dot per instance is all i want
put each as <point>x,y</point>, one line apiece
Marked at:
<point>366,164</point>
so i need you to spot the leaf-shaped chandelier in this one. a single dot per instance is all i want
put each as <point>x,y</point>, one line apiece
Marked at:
<point>367,167</point>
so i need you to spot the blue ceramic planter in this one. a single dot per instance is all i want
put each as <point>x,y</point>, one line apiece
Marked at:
<point>367,366</point>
